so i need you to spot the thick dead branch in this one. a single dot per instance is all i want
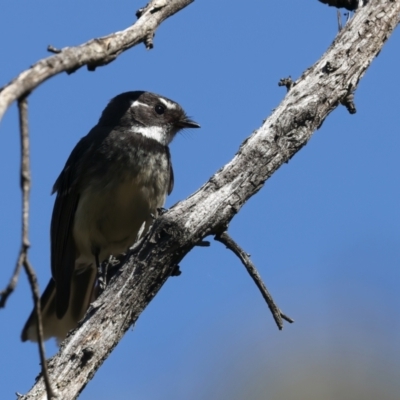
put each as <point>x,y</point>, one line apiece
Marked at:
<point>94,53</point>
<point>252,270</point>
<point>208,211</point>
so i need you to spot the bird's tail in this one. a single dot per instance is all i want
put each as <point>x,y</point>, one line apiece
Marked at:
<point>82,292</point>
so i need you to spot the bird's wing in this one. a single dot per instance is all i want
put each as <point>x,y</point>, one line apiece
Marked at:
<point>63,251</point>
<point>171,173</point>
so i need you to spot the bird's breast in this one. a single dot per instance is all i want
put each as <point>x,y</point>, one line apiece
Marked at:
<point>113,208</point>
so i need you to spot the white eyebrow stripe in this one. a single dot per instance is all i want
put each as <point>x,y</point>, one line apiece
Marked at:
<point>167,103</point>
<point>153,132</point>
<point>138,103</point>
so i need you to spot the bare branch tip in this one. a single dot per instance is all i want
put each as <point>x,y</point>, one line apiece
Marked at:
<point>203,243</point>
<point>254,274</point>
<point>176,271</point>
<point>348,102</point>
<point>288,82</point>
<point>148,41</point>
<point>53,49</point>
<point>140,12</point>
<point>286,318</point>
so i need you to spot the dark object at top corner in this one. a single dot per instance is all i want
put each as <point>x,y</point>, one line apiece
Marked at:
<point>350,5</point>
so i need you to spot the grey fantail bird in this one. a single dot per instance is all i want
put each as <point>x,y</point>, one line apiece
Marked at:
<point>115,179</point>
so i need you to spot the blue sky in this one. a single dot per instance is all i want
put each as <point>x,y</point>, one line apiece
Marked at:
<point>324,232</point>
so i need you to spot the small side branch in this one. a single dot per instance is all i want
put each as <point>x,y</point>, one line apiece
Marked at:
<point>287,82</point>
<point>277,314</point>
<point>53,49</point>
<point>348,102</point>
<point>5,293</point>
<point>339,20</point>
<point>23,255</point>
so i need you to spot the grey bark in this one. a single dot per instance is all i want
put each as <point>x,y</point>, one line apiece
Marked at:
<point>208,211</point>
<point>94,53</point>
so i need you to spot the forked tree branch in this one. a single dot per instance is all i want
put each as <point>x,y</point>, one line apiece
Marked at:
<point>94,53</point>
<point>315,95</point>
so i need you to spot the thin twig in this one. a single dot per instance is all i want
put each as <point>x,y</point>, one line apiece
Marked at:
<point>348,102</point>
<point>53,49</point>
<point>287,82</point>
<point>39,327</point>
<point>339,20</point>
<point>4,294</point>
<point>23,255</point>
<point>251,269</point>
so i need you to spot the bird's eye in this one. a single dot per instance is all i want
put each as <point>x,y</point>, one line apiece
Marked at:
<point>159,109</point>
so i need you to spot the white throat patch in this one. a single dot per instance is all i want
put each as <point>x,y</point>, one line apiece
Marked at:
<point>152,132</point>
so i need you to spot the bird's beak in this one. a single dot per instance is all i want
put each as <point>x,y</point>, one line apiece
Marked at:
<point>188,123</point>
